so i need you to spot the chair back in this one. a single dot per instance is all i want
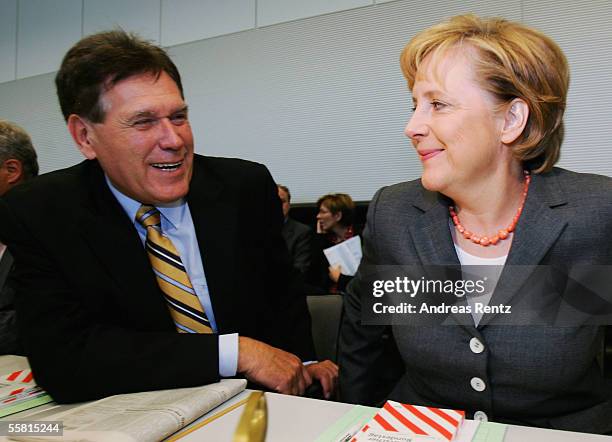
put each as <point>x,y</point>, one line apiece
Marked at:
<point>607,354</point>
<point>326,313</point>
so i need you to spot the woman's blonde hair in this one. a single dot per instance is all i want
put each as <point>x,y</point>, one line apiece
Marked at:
<point>510,61</point>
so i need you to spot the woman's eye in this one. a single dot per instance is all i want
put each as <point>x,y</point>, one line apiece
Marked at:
<point>437,105</point>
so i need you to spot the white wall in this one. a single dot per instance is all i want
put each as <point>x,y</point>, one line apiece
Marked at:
<point>8,39</point>
<point>35,34</point>
<point>311,88</point>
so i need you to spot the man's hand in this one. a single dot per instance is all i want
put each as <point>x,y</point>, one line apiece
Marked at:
<point>271,367</point>
<point>326,373</point>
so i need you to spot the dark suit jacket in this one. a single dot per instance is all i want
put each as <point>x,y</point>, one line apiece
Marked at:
<point>298,238</point>
<point>534,375</point>
<point>91,315</point>
<point>8,328</point>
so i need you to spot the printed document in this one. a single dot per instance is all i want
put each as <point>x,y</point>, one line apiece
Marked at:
<point>346,254</point>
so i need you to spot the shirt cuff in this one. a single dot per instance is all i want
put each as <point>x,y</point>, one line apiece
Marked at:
<point>228,355</point>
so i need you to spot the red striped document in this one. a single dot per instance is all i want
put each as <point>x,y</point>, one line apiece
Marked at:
<point>23,376</point>
<point>414,421</point>
<point>18,392</point>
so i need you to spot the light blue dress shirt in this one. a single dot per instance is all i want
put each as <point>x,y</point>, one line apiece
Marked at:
<point>177,224</point>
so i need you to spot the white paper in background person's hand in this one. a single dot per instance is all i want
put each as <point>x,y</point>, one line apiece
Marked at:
<point>346,254</point>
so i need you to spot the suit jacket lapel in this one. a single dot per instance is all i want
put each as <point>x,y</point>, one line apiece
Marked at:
<point>104,226</point>
<point>434,244</point>
<point>536,232</point>
<point>289,228</point>
<point>431,233</point>
<point>215,218</point>
<point>6,262</point>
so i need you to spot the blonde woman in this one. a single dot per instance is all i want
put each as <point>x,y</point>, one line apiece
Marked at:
<point>489,97</point>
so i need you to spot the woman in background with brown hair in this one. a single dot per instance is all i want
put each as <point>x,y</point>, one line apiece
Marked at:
<point>335,214</point>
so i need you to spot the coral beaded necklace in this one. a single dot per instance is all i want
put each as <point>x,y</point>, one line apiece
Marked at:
<point>501,234</point>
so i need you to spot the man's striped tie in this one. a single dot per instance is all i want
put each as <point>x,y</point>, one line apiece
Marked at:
<point>184,305</point>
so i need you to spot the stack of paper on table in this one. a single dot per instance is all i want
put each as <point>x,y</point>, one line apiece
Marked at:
<point>19,392</point>
<point>406,423</point>
<point>139,417</point>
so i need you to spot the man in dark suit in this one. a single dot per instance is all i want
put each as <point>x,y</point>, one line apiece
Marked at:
<point>146,266</point>
<point>8,329</point>
<point>17,163</point>
<point>297,236</point>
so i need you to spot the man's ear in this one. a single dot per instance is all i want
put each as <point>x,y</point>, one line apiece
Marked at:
<point>337,216</point>
<point>14,170</point>
<point>515,120</point>
<point>81,131</point>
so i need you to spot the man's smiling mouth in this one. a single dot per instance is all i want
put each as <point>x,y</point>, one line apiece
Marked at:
<point>167,166</point>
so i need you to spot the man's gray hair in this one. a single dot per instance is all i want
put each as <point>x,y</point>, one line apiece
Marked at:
<point>15,143</point>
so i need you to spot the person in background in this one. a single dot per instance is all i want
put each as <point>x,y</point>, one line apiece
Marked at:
<point>139,260</point>
<point>18,159</point>
<point>18,163</point>
<point>335,213</point>
<point>489,97</point>
<point>297,236</point>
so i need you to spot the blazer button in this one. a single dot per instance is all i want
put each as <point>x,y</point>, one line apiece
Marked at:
<point>481,416</point>
<point>478,384</point>
<point>476,346</point>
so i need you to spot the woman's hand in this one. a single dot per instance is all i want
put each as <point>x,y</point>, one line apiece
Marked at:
<point>335,272</point>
